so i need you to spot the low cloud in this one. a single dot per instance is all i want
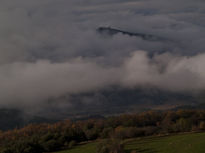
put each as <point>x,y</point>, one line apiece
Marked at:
<point>166,71</point>
<point>50,48</point>
<point>33,83</point>
<point>30,84</point>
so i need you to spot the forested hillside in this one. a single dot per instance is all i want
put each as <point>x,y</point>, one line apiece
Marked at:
<point>38,138</point>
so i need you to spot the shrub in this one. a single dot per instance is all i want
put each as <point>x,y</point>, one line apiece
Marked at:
<point>71,144</point>
<point>110,146</point>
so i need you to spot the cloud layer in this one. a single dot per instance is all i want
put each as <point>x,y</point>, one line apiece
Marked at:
<point>50,48</point>
<point>36,82</point>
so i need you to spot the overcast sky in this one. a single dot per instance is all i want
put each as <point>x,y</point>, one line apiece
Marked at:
<point>49,48</point>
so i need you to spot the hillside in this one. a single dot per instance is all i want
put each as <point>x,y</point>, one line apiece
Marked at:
<point>42,138</point>
<point>14,118</point>
<point>112,101</point>
<point>184,143</point>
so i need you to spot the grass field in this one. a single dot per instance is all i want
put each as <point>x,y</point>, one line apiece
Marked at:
<point>184,143</point>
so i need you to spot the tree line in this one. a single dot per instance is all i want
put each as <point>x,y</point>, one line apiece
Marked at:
<point>39,138</point>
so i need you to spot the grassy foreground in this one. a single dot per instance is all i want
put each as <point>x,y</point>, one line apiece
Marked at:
<point>184,143</point>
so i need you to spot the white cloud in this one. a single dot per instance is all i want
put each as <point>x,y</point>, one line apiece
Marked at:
<point>41,43</point>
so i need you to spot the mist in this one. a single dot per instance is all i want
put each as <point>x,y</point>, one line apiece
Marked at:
<point>51,48</point>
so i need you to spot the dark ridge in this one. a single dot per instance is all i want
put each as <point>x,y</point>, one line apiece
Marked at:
<point>112,31</point>
<point>13,118</point>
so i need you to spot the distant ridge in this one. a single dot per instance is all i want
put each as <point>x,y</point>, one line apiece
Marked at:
<point>113,31</point>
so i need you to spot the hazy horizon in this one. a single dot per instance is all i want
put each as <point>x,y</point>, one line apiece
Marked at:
<point>50,48</point>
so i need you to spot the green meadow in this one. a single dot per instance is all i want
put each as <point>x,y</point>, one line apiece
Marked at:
<point>183,143</point>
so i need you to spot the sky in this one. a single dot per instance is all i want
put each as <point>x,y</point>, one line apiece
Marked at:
<point>49,48</point>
